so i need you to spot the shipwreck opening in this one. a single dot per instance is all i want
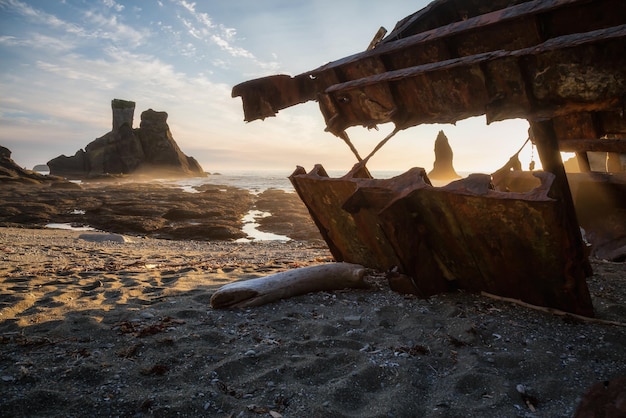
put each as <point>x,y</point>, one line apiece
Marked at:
<point>537,60</point>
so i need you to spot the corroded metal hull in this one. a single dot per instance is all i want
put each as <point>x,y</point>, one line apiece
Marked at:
<point>465,235</point>
<point>531,59</point>
<point>557,63</point>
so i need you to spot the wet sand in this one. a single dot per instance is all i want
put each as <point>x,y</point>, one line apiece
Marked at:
<point>126,329</point>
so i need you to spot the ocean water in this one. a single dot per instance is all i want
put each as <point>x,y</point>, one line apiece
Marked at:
<point>257,181</point>
<point>253,181</point>
<point>261,180</point>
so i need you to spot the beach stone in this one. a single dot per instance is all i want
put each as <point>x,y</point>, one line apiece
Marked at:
<point>104,237</point>
<point>352,319</point>
<point>462,331</point>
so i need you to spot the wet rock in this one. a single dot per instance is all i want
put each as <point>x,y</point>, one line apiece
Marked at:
<point>132,208</point>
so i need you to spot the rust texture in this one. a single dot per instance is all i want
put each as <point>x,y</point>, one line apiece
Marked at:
<point>464,235</point>
<point>559,64</point>
<point>455,59</point>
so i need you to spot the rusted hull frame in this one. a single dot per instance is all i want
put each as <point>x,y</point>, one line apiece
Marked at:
<point>534,83</point>
<point>466,235</point>
<point>516,27</point>
<point>553,62</point>
<point>347,220</point>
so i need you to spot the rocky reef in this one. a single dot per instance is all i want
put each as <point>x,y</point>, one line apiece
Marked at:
<point>149,149</point>
<point>153,209</point>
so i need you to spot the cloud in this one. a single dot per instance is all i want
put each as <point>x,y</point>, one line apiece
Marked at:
<point>41,17</point>
<point>101,27</point>
<point>111,29</point>
<point>203,28</point>
<point>113,5</point>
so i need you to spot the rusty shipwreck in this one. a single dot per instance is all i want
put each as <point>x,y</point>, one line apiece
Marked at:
<point>560,64</point>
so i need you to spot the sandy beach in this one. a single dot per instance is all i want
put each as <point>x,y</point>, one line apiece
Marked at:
<point>126,329</point>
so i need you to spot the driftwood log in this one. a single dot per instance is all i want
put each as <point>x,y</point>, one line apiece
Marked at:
<point>286,284</point>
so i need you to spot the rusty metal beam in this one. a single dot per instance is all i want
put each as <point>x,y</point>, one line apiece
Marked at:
<point>534,83</point>
<point>511,28</point>
<point>544,138</point>
<point>593,145</point>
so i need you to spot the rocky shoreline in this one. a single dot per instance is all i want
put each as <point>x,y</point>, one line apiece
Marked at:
<point>150,208</point>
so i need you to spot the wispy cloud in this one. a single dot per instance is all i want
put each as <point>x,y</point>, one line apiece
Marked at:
<point>101,27</point>
<point>41,17</point>
<point>202,27</point>
<point>73,72</point>
<point>110,28</point>
<point>113,5</point>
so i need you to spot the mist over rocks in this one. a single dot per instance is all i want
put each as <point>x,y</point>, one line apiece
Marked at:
<point>148,150</point>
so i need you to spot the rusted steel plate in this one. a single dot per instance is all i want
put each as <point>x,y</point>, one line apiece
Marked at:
<point>600,203</point>
<point>590,145</point>
<point>576,126</point>
<point>464,235</point>
<point>509,244</point>
<point>515,27</point>
<point>445,92</point>
<point>345,211</point>
<point>443,12</point>
<point>444,36</point>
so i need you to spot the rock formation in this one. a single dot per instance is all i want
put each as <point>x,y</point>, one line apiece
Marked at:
<point>11,172</point>
<point>443,168</point>
<point>41,167</point>
<point>150,149</point>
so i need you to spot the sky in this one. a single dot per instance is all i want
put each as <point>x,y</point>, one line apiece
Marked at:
<point>62,62</point>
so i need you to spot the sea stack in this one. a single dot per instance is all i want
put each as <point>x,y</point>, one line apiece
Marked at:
<point>443,168</point>
<point>149,150</point>
<point>123,112</point>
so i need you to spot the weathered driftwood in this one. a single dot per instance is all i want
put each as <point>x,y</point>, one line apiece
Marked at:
<point>286,284</point>
<point>552,311</point>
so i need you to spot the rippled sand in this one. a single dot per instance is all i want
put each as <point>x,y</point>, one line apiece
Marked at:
<point>126,329</point>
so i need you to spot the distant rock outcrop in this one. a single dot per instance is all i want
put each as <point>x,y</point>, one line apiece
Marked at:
<point>443,168</point>
<point>41,167</point>
<point>11,172</point>
<point>149,149</point>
